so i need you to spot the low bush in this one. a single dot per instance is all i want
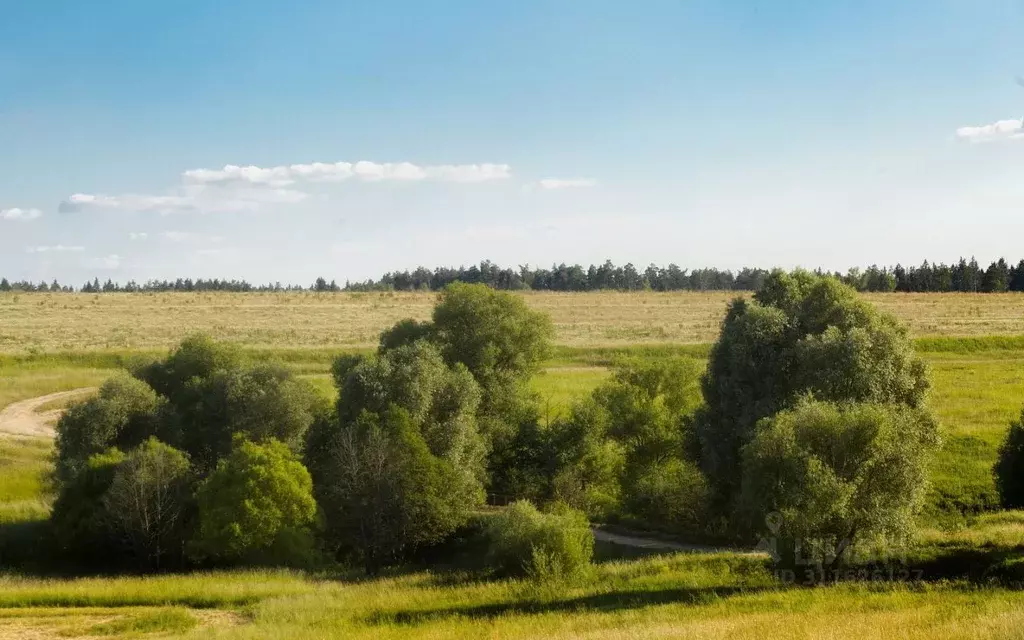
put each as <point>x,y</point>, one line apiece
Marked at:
<point>543,546</point>
<point>1009,469</point>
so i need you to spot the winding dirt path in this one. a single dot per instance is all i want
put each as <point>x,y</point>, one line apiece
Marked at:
<point>652,543</point>
<point>23,420</point>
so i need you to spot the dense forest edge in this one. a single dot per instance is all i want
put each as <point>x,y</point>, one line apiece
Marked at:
<point>964,276</point>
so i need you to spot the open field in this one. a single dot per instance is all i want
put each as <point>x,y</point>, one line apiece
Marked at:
<point>978,386</point>
<point>72,322</point>
<point>684,595</point>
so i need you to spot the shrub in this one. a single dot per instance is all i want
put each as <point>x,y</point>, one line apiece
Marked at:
<point>544,546</point>
<point>1009,468</point>
<point>671,494</point>
<point>838,474</point>
<point>802,334</point>
<point>257,506</point>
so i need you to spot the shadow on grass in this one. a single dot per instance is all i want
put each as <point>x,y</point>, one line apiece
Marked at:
<point>601,602</point>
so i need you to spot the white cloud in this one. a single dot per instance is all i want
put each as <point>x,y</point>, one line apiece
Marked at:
<point>187,236</point>
<point>112,261</point>
<point>190,199</point>
<point>138,236</point>
<point>17,213</point>
<point>57,248</point>
<point>567,183</point>
<point>250,188</point>
<point>364,170</point>
<point>1002,130</point>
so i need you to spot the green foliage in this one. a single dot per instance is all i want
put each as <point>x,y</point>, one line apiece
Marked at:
<point>671,494</point>
<point>626,451</point>
<point>148,501</point>
<point>177,419</point>
<point>405,332</point>
<point>440,400</point>
<point>801,334</point>
<point>493,333</point>
<point>586,465</point>
<point>261,402</point>
<point>544,546</point>
<point>197,357</point>
<point>649,404</point>
<point>383,491</point>
<point>79,516</point>
<point>257,506</point>
<point>124,414</point>
<point>500,341</point>
<point>1009,468</point>
<point>838,474</point>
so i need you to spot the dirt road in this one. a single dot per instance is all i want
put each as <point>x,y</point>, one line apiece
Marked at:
<point>22,419</point>
<point>651,543</point>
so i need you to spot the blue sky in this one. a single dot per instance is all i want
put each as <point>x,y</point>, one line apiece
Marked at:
<point>282,141</point>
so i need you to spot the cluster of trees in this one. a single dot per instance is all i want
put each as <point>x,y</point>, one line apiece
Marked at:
<point>808,426</point>
<point>810,417</point>
<point>963,276</point>
<point>150,286</point>
<point>565,277</point>
<point>207,458</point>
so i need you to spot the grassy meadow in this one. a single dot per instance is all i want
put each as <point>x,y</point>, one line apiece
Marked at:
<point>972,343</point>
<point>45,322</point>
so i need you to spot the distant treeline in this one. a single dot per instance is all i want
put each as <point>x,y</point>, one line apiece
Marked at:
<point>962,276</point>
<point>965,276</point>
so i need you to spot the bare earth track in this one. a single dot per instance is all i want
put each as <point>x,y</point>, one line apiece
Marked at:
<point>22,419</point>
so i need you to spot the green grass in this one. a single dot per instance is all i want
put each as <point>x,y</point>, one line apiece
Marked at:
<point>195,590</point>
<point>169,620</point>
<point>724,595</point>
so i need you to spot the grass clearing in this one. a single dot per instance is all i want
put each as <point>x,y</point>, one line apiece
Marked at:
<point>54,322</point>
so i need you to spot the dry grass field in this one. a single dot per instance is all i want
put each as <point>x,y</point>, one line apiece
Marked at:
<point>74,322</point>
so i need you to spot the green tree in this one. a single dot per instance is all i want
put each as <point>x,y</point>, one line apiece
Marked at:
<point>838,474</point>
<point>123,415</point>
<point>801,334</point>
<point>501,342</point>
<point>80,526</point>
<point>1009,467</point>
<point>148,500</point>
<point>646,409</point>
<point>382,490</point>
<point>257,506</point>
<point>260,402</point>
<point>197,357</point>
<point>441,401</point>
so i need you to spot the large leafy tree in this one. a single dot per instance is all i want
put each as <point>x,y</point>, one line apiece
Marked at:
<point>401,462</point>
<point>801,334</point>
<point>124,414</point>
<point>257,506</point>
<point>837,474</point>
<point>500,341</point>
<point>384,492</point>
